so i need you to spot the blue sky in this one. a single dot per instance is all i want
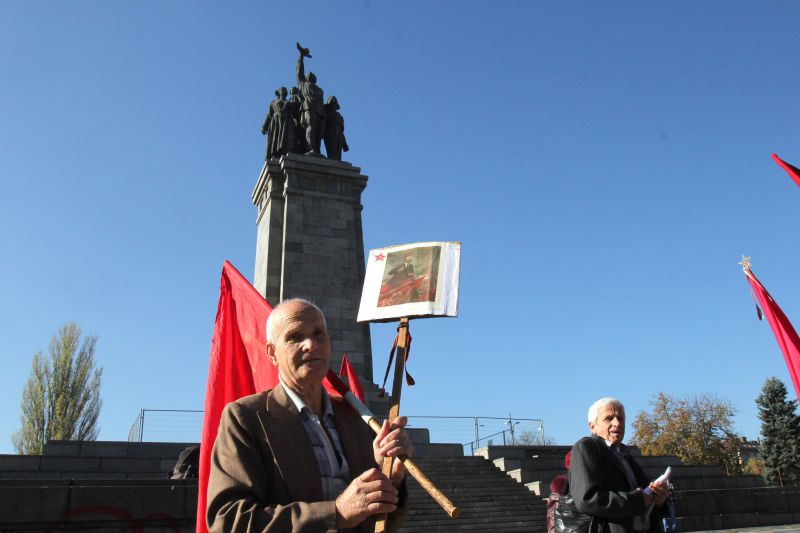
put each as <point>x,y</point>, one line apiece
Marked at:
<point>603,164</point>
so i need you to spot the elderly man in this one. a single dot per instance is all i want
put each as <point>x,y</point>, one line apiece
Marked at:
<point>293,458</point>
<point>605,481</point>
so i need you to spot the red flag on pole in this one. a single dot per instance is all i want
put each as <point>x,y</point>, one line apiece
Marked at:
<point>238,365</point>
<point>347,371</point>
<point>792,170</point>
<point>785,334</point>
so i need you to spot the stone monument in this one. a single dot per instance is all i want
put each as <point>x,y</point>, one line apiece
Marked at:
<point>310,243</point>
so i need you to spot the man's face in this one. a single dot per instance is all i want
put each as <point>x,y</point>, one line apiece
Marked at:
<point>610,423</point>
<point>301,348</point>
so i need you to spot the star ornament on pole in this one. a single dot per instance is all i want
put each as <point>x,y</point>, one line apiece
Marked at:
<point>745,262</point>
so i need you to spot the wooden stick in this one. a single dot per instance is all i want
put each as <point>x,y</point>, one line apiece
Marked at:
<point>437,495</point>
<point>367,416</point>
<point>394,407</point>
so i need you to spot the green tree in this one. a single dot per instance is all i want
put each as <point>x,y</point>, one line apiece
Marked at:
<point>780,429</point>
<point>61,400</point>
<point>698,429</point>
<point>754,467</point>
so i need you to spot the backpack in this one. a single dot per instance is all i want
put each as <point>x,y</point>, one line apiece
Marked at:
<point>188,464</point>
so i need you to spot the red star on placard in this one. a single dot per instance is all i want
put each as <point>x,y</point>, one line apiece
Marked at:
<point>380,257</point>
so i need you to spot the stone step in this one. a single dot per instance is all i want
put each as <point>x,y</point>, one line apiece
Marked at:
<point>438,450</point>
<point>733,501</point>
<point>738,521</point>
<point>20,466</point>
<point>163,450</point>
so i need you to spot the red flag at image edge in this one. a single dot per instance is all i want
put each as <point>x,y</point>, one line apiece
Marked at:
<point>238,365</point>
<point>792,170</point>
<point>785,333</point>
<point>347,371</point>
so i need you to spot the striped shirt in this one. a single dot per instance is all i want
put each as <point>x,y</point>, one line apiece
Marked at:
<point>333,468</point>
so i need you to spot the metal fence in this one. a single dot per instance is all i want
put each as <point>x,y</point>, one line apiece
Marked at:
<point>472,432</point>
<point>166,425</point>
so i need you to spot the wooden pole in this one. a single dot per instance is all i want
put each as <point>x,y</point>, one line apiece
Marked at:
<point>437,495</point>
<point>394,406</point>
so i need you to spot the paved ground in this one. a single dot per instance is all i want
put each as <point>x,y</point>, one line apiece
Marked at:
<point>770,529</point>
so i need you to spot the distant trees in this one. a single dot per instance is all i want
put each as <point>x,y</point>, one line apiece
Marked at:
<point>533,438</point>
<point>780,429</point>
<point>61,399</point>
<point>753,467</point>
<point>698,429</point>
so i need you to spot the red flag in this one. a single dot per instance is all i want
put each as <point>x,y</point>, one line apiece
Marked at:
<point>347,371</point>
<point>785,334</point>
<point>238,366</point>
<point>792,170</point>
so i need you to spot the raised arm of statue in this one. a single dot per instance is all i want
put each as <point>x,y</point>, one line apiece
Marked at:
<point>301,73</point>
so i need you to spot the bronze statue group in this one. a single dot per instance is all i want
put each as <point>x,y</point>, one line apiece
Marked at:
<point>302,122</point>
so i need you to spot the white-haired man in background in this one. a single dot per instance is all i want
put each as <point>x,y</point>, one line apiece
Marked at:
<point>605,481</point>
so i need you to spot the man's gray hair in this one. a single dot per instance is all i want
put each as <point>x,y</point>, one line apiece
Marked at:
<point>271,324</point>
<point>599,404</point>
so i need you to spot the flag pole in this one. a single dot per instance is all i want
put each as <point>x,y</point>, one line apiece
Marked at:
<point>394,405</point>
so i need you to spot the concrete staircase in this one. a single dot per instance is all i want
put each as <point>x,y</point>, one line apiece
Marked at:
<point>488,499</point>
<point>123,486</point>
<point>94,460</point>
<point>105,486</point>
<point>707,498</point>
<point>707,509</point>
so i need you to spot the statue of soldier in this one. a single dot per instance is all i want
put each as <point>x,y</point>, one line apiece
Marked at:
<point>312,111</point>
<point>335,140</point>
<point>297,103</point>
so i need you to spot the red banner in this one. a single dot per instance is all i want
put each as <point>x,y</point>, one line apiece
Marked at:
<point>238,366</point>
<point>784,332</point>
<point>792,170</point>
<point>347,371</point>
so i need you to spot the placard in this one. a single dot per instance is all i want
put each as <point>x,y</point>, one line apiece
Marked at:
<point>411,280</point>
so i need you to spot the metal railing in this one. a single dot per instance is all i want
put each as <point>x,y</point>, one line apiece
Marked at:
<point>471,432</point>
<point>166,425</point>
<point>474,432</point>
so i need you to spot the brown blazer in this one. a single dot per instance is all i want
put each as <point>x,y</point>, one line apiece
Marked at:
<point>264,475</point>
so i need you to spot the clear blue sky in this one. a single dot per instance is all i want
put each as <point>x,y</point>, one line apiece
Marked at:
<point>603,164</point>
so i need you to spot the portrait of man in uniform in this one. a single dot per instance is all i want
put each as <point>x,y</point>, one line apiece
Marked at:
<point>410,276</point>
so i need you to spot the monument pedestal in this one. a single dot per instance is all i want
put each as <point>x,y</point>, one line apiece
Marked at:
<point>310,245</point>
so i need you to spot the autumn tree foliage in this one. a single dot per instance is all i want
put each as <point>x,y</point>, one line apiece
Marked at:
<point>61,399</point>
<point>697,429</point>
<point>780,429</point>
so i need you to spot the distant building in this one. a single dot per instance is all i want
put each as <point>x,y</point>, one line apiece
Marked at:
<point>749,449</point>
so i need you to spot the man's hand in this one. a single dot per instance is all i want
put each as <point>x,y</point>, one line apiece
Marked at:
<point>393,441</point>
<point>368,494</point>
<point>660,492</point>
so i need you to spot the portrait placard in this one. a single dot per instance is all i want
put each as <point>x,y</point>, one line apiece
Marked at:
<point>411,280</point>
